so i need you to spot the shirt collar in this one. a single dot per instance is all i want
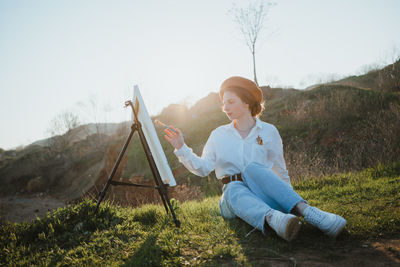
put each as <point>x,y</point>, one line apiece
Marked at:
<point>258,125</point>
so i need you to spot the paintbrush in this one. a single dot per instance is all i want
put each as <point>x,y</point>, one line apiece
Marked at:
<point>166,126</point>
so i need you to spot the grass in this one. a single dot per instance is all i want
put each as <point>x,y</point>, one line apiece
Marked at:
<point>369,200</point>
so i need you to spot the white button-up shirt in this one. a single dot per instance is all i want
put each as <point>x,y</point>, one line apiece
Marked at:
<point>228,153</point>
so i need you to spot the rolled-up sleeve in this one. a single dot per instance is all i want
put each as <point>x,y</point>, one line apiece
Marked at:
<point>277,158</point>
<point>201,166</point>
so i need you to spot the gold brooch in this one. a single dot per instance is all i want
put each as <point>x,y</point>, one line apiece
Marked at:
<point>259,141</point>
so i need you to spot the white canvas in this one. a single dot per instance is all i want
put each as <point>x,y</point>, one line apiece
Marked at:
<point>152,139</point>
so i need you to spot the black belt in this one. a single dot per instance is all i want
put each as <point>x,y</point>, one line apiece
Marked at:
<point>230,178</point>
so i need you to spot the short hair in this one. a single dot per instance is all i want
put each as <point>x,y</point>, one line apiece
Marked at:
<point>256,107</point>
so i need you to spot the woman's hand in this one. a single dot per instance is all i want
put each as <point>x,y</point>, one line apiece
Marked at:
<point>175,138</point>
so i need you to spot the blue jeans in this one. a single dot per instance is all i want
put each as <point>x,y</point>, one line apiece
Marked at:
<point>260,191</point>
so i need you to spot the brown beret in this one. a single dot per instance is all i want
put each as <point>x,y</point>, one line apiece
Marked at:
<point>242,83</point>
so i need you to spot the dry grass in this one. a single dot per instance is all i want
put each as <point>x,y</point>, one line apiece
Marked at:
<point>340,130</point>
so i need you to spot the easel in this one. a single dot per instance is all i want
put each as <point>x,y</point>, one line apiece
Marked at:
<point>161,187</point>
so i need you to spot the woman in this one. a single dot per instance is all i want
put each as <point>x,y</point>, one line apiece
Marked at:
<point>247,155</point>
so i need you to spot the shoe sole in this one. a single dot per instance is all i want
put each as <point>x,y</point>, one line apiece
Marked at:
<point>292,228</point>
<point>338,227</point>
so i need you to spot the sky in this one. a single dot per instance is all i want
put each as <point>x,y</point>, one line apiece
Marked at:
<point>85,57</point>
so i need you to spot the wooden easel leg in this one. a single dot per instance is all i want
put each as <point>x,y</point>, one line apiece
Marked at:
<point>121,154</point>
<point>177,222</point>
<point>162,190</point>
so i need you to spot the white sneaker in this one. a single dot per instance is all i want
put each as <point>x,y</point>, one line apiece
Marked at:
<point>329,223</point>
<point>286,226</point>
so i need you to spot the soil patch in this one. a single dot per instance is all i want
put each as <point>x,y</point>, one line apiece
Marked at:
<point>27,208</point>
<point>383,252</point>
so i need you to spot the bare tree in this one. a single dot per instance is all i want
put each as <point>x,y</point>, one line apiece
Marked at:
<point>251,22</point>
<point>95,115</point>
<point>62,131</point>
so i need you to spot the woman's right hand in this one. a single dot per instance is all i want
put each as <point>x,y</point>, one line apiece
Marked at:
<point>174,138</point>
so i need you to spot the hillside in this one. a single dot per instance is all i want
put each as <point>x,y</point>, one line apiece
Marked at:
<point>329,129</point>
<point>335,127</point>
<point>386,79</point>
<point>146,236</point>
<point>83,131</point>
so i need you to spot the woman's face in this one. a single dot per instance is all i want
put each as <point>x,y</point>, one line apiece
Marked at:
<point>234,107</point>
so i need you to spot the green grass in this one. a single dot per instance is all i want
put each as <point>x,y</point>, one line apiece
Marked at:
<point>369,200</point>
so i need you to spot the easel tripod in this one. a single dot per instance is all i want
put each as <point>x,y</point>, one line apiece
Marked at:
<point>160,186</point>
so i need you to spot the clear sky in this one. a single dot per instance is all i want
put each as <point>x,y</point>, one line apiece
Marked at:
<point>56,54</point>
